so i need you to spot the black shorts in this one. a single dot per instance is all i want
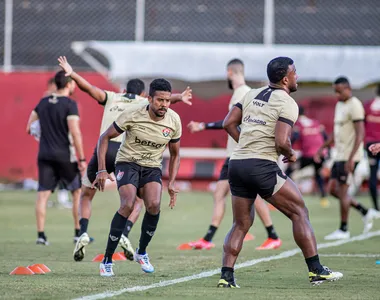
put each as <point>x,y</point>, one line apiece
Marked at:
<point>92,167</point>
<point>224,171</point>
<point>132,173</point>
<point>338,172</point>
<point>50,173</point>
<point>249,177</point>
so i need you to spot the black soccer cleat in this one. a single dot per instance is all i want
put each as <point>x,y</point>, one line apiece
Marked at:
<point>223,283</point>
<point>318,277</point>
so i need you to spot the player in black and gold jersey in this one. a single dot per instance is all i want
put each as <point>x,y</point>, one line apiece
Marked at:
<point>114,105</point>
<point>138,167</point>
<point>266,117</point>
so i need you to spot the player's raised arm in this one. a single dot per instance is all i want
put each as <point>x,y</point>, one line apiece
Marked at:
<point>283,144</point>
<point>185,97</point>
<point>232,122</point>
<point>101,176</point>
<point>96,93</point>
<point>174,162</point>
<point>33,117</point>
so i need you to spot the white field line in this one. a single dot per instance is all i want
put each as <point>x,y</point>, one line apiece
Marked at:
<point>285,254</point>
<point>351,255</point>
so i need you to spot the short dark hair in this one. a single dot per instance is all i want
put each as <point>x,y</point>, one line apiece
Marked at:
<point>277,68</point>
<point>342,80</point>
<point>301,110</point>
<point>159,85</point>
<point>61,80</point>
<point>135,86</point>
<point>235,61</point>
<point>378,90</point>
<point>51,81</point>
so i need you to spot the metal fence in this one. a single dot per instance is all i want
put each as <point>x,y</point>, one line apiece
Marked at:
<point>40,30</point>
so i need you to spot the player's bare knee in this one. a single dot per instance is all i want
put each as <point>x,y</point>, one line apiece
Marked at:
<point>126,207</point>
<point>153,207</point>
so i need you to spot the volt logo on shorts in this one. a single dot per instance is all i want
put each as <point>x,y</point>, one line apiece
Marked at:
<point>166,132</point>
<point>120,175</point>
<point>148,143</point>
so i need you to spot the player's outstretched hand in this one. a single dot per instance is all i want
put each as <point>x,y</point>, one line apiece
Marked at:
<point>195,126</point>
<point>65,65</point>
<point>173,194</point>
<point>187,95</point>
<point>374,148</point>
<point>100,180</point>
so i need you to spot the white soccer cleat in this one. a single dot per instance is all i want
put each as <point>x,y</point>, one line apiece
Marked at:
<point>338,235</point>
<point>125,243</point>
<point>80,245</point>
<point>106,270</point>
<point>42,241</point>
<point>368,219</point>
<point>143,260</point>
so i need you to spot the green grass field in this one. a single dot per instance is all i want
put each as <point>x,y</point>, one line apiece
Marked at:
<point>276,279</point>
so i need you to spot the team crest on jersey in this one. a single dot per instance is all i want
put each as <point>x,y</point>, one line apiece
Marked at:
<point>166,132</point>
<point>119,175</point>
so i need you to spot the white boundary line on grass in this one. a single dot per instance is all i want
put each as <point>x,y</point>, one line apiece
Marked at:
<point>368,255</point>
<point>285,254</point>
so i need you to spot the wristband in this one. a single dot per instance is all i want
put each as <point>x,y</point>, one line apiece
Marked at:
<point>101,171</point>
<point>82,159</point>
<point>202,126</point>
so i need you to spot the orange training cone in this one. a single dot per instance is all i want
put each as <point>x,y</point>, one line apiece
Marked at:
<point>98,258</point>
<point>185,246</point>
<point>21,271</point>
<point>42,267</point>
<point>118,256</point>
<point>122,254</point>
<point>36,269</point>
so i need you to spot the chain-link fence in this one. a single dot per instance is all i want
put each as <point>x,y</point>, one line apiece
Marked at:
<point>44,29</point>
<point>327,22</point>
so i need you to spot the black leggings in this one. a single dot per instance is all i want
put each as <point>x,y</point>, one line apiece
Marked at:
<point>373,166</point>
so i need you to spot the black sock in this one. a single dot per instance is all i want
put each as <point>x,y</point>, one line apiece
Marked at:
<point>83,222</point>
<point>271,232</point>
<point>361,209</point>
<point>148,228</point>
<point>210,233</point>
<point>343,226</point>
<point>128,227</point>
<point>227,274</point>
<point>41,235</point>
<point>117,227</point>
<point>313,263</point>
<point>76,232</point>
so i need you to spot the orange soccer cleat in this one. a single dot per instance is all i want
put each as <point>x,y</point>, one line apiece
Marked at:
<point>270,244</point>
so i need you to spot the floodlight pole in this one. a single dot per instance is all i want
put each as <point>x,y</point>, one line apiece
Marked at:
<point>8,28</point>
<point>269,22</point>
<point>140,21</point>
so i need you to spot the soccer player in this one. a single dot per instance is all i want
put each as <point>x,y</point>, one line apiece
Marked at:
<point>138,167</point>
<point>236,82</point>
<point>60,139</point>
<point>348,138</point>
<point>311,136</point>
<point>266,117</point>
<point>114,105</point>
<point>372,136</point>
